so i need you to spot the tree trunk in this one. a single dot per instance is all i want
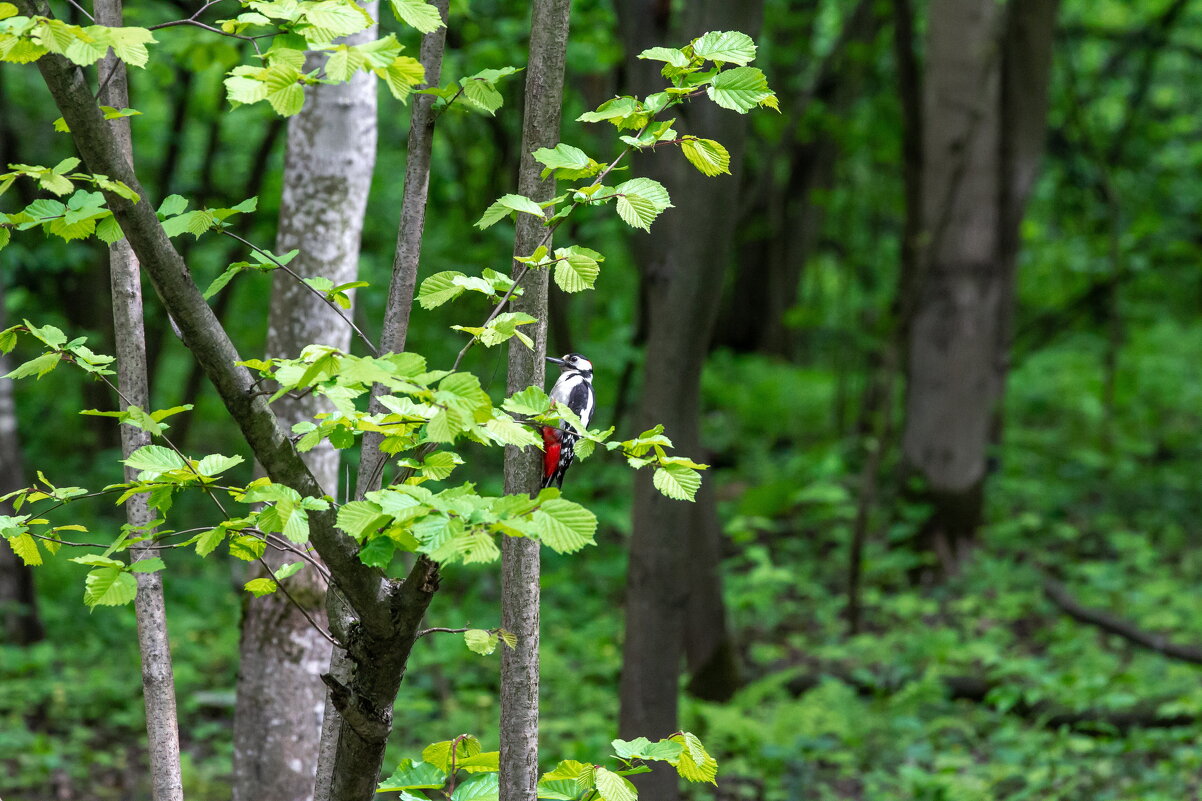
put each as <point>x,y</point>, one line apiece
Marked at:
<point>405,262</point>
<point>19,620</point>
<point>683,283</point>
<point>977,168</point>
<point>158,681</point>
<point>331,153</point>
<point>520,556</point>
<point>387,613</point>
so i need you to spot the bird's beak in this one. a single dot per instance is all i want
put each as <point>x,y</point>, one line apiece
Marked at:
<point>553,360</point>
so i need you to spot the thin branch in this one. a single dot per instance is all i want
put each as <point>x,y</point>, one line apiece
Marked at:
<point>81,10</point>
<point>440,629</point>
<point>301,281</point>
<point>1058,594</point>
<point>279,583</point>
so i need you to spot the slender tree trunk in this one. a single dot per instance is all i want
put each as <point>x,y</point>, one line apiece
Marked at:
<point>683,284</point>
<point>409,239</point>
<point>158,682</point>
<point>519,556</point>
<point>19,620</point>
<point>330,157</point>
<point>387,612</point>
<point>977,169</point>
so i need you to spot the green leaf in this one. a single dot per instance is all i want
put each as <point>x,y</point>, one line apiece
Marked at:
<point>695,764</point>
<point>483,95</point>
<point>725,46</point>
<point>26,547</point>
<point>439,288</point>
<point>531,401</point>
<point>418,13</point>
<point>215,464</point>
<point>151,565</point>
<point>220,281</point>
<point>577,268</point>
<point>288,570</point>
<point>38,366</point>
<point>484,787</point>
<point>740,89</point>
<point>155,459</point>
<point>209,540</point>
<point>671,55</point>
<point>377,552</point>
<point>640,201</point>
<point>480,641</point>
<point>706,155</point>
<point>564,526</point>
<point>558,789</point>
<point>677,481</point>
<point>504,430</point>
<point>410,775</point>
<point>505,204</point>
<point>402,75</point>
<point>613,787</point>
<point>109,586</point>
<point>642,748</point>
<point>480,763</point>
<point>261,586</point>
<point>360,518</point>
<point>439,754</point>
<point>129,44</point>
<point>562,157</point>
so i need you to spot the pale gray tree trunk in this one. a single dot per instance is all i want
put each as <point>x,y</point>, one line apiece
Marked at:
<point>519,556</point>
<point>978,164</point>
<point>281,699</point>
<point>158,682</point>
<point>674,547</point>
<point>19,620</point>
<point>388,613</point>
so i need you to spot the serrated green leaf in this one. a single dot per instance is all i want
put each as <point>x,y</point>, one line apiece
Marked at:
<point>483,787</point>
<point>439,288</point>
<point>410,775</point>
<point>215,464</point>
<point>613,787</point>
<point>671,55</point>
<point>480,641</point>
<point>377,552</point>
<point>261,586</point>
<point>740,89</point>
<point>482,95</point>
<point>564,526</point>
<point>642,748</point>
<point>360,518</point>
<point>504,205</point>
<point>109,586</point>
<point>26,547</point>
<point>209,540</point>
<point>418,13</point>
<point>725,46</point>
<point>151,565</point>
<point>37,366</point>
<point>531,401</point>
<point>695,763</point>
<point>708,156</point>
<point>640,201</point>
<point>577,269</point>
<point>677,482</point>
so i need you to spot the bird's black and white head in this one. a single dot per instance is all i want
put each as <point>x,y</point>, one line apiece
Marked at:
<point>574,363</point>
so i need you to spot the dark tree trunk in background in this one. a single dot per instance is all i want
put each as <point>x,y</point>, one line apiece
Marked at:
<point>327,173</point>
<point>673,598</point>
<point>765,287</point>
<point>980,150</point>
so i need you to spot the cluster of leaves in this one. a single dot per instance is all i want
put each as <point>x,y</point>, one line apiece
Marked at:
<point>26,39</point>
<point>82,215</point>
<point>438,770</point>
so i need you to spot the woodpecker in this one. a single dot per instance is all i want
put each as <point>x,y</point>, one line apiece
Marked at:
<point>573,389</point>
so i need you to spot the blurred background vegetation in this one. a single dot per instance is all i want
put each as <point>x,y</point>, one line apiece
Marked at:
<point>969,683</point>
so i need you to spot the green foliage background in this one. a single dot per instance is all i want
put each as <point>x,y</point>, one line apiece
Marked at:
<point>1098,483</point>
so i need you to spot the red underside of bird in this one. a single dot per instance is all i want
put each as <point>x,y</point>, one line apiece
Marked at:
<point>553,440</point>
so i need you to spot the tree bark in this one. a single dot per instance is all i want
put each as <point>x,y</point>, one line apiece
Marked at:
<point>387,613</point>
<point>329,161</point>
<point>527,366</point>
<point>19,619</point>
<point>409,239</point>
<point>977,169</point>
<point>158,680</point>
<point>683,282</point>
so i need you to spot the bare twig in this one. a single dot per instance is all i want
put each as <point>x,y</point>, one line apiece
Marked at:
<point>327,301</point>
<point>279,583</point>
<point>440,629</point>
